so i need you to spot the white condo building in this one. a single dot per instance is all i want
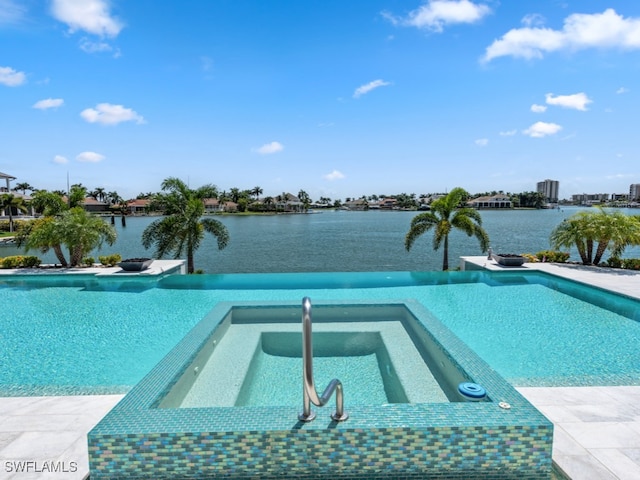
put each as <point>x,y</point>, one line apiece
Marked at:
<point>550,189</point>
<point>634,192</point>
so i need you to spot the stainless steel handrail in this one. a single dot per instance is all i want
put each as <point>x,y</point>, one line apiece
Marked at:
<point>309,394</point>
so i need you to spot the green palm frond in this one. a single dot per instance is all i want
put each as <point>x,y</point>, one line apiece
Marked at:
<point>446,214</point>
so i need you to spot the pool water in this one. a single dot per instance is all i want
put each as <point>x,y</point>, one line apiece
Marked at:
<point>260,364</point>
<point>103,335</point>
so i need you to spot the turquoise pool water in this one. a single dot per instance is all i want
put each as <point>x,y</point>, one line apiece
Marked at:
<point>102,335</point>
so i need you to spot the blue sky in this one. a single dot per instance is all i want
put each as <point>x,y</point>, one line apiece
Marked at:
<point>340,99</point>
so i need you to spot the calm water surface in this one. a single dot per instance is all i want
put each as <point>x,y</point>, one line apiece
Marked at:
<point>342,241</point>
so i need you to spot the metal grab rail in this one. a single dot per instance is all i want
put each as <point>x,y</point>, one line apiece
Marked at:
<point>309,394</point>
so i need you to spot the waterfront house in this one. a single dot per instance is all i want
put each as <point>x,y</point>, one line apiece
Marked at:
<point>139,206</point>
<point>357,204</point>
<point>492,201</point>
<point>388,203</point>
<point>92,205</point>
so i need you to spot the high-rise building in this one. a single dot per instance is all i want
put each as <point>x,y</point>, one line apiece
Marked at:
<point>550,189</point>
<point>634,192</point>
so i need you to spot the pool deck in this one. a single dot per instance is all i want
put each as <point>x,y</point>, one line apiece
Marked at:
<point>157,267</point>
<point>596,434</point>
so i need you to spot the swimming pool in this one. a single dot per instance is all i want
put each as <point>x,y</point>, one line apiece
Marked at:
<point>533,328</point>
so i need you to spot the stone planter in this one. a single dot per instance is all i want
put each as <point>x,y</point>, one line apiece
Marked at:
<point>508,259</point>
<point>135,264</point>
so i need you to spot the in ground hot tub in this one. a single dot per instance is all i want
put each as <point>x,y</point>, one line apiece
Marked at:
<point>224,403</point>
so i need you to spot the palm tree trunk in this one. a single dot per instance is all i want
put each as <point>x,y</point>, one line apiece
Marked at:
<point>602,247</point>
<point>190,261</point>
<point>589,252</point>
<point>445,257</point>
<point>76,256</point>
<point>57,249</point>
<point>582,251</point>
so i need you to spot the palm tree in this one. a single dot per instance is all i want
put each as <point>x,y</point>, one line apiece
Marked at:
<point>235,194</point>
<point>77,194</point>
<point>445,215</point>
<point>601,229</point>
<point>48,203</point>
<point>9,202</point>
<point>305,199</point>
<point>76,229</point>
<point>83,232</point>
<point>23,187</point>
<point>98,193</point>
<point>257,191</point>
<point>182,230</point>
<point>43,234</point>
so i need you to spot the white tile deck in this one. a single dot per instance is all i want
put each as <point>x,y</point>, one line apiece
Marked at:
<point>38,434</point>
<point>597,429</point>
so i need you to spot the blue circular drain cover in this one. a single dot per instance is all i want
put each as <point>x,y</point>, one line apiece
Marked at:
<point>472,391</point>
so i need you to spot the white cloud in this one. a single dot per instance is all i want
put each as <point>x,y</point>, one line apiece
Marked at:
<point>269,148</point>
<point>48,103</point>
<point>90,157</point>
<point>542,129</point>
<point>577,101</point>
<point>335,175</point>
<point>533,20</point>
<point>11,77</point>
<point>538,108</point>
<point>482,142</point>
<point>508,133</point>
<point>91,16</point>
<point>622,90</point>
<point>618,176</point>
<point>89,46</point>
<point>108,114</point>
<point>436,14</point>
<point>11,12</point>
<point>60,160</point>
<point>580,31</point>
<point>369,87</point>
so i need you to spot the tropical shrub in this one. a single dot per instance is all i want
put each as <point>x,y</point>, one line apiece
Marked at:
<point>5,226</point>
<point>552,256</point>
<point>530,258</point>
<point>88,261</point>
<point>626,263</point>
<point>631,263</point>
<point>614,262</point>
<point>110,260</point>
<point>20,261</point>
<point>31,261</point>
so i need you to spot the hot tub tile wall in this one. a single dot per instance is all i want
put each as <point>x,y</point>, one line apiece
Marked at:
<point>359,454</point>
<point>452,440</point>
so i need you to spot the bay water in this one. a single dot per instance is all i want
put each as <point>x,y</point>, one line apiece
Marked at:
<point>342,241</point>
